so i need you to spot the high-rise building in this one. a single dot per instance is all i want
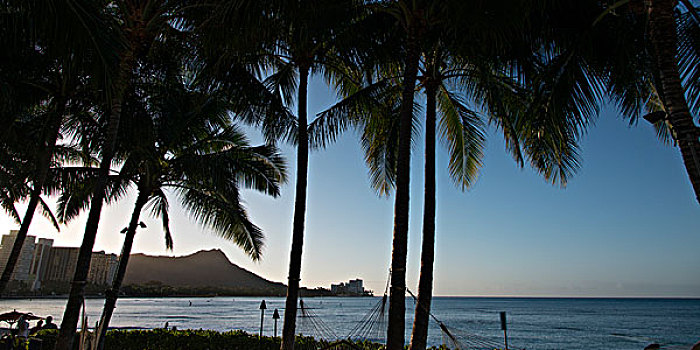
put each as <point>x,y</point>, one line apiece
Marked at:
<point>102,268</point>
<point>24,263</point>
<point>113,266</point>
<point>61,264</point>
<point>62,261</point>
<point>40,261</point>
<point>353,287</point>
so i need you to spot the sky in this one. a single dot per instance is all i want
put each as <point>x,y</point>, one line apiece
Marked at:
<point>626,225</point>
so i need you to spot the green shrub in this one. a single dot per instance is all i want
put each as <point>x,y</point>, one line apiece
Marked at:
<point>162,339</point>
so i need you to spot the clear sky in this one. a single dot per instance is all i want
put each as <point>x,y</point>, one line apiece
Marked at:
<point>626,225</point>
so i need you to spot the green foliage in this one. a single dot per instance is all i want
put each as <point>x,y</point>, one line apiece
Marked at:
<point>189,339</point>
<point>186,339</point>
<point>156,288</point>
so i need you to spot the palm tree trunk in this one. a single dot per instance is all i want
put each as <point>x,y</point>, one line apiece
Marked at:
<point>69,323</point>
<point>662,30</point>
<point>43,163</point>
<point>112,294</point>
<point>290,311</point>
<point>397,295</point>
<point>419,337</point>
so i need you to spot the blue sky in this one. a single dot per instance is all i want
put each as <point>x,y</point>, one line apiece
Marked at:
<point>626,224</point>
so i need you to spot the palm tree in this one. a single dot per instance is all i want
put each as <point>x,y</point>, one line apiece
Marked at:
<point>384,109</point>
<point>294,40</point>
<point>42,158</point>
<point>416,21</point>
<point>412,19</point>
<point>141,25</point>
<point>190,149</point>
<point>462,131</point>
<point>477,70</point>
<point>21,139</point>
<point>59,66</point>
<point>664,40</point>
<point>655,46</point>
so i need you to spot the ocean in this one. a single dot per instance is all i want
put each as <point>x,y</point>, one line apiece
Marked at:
<point>533,323</point>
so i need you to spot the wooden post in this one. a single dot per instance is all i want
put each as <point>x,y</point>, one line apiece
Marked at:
<point>262,316</point>
<point>504,328</point>
<point>275,316</point>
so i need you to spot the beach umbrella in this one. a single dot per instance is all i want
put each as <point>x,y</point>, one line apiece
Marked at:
<point>14,315</point>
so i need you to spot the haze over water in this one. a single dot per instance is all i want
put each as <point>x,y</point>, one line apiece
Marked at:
<point>533,323</point>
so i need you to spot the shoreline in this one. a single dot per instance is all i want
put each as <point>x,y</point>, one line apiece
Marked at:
<point>65,296</point>
<point>93,296</point>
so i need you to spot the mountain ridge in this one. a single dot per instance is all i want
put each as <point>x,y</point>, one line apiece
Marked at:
<point>202,269</point>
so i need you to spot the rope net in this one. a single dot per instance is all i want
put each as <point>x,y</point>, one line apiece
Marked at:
<point>456,339</point>
<point>372,327</point>
<point>311,325</point>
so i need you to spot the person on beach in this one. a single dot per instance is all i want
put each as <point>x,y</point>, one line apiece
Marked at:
<point>23,327</point>
<point>49,323</point>
<point>37,328</point>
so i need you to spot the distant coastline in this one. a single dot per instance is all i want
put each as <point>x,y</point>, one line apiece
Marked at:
<point>309,293</point>
<point>206,273</point>
<point>328,295</point>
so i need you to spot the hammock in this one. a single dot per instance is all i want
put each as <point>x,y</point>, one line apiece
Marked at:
<point>310,324</point>
<point>457,339</point>
<point>372,327</point>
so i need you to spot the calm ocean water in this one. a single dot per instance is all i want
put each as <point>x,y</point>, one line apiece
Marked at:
<point>533,323</point>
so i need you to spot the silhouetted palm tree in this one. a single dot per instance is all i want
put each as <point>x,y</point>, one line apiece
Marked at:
<point>51,69</point>
<point>413,19</point>
<point>643,55</point>
<point>461,131</point>
<point>674,58</point>
<point>292,41</point>
<point>141,25</point>
<point>416,21</point>
<point>188,148</point>
<point>468,83</point>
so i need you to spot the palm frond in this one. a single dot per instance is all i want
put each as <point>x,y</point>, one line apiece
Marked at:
<point>160,208</point>
<point>562,106</point>
<point>461,130</point>
<point>261,168</point>
<point>8,204</point>
<point>350,111</point>
<point>48,214</point>
<point>74,187</point>
<point>226,216</point>
<point>689,59</point>
<point>283,82</point>
<point>379,139</point>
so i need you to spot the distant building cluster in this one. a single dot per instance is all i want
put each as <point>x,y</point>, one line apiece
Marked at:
<point>40,262</point>
<point>353,287</point>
